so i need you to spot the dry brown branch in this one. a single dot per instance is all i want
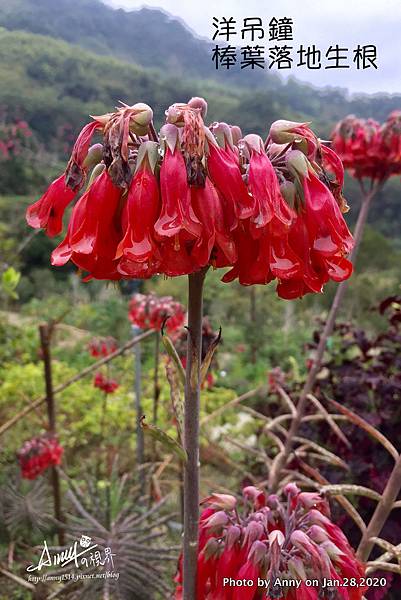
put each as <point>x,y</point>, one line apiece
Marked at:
<point>353,490</point>
<point>329,419</point>
<point>321,450</point>
<point>383,509</point>
<point>6,573</point>
<point>357,420</point>
<point>287,400</point>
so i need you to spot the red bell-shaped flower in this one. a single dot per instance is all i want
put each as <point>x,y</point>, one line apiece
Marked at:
<point>138,250</point>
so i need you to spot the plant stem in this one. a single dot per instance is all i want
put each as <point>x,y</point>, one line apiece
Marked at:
<point>102,440</point>
<point>45,331</point>
<point>191,432</point>
<point>140,442</point>
<point>282,458</point>
<point>252,314</point>
<point>383,509</point>
<point>156,387</point>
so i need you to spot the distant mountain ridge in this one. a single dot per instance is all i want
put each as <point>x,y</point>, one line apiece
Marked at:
<point>155,40</point>
<point>148,37</point>
<point>63,60</point>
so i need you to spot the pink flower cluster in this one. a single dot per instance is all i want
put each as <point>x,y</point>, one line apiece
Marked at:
<point>276,540</point>
<point>148,311</point>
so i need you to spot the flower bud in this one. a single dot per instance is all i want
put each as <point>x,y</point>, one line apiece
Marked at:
<point>289,193</point>
<point>150,151</point>
<point>200,104</point>
<point>297,163</point>
<point>272,501</point>
<point>236,134</point>
<point>291,489</point>
<point>98,170</point>
<point>284,132</point>
<point>257,496</point>
<point>102,119</point>
<point>217,520</point>
<point>332,550</point>
<point>310,500</point>
<point>300,540</point>
<point>140,130</point>
<point>169,136</point>
<point>233,534</point>
<point>224,501</point>
<point>257,553</point>
<point>317,518</point>
<point>222,133</point>
<point>94,156</point>
<point>254,142</point>
<point>318,534</point>
<point>211,548</point>
<point>276,536</point>
<point>174,114</point>
<point>253,531</point>
<point>142,115</point>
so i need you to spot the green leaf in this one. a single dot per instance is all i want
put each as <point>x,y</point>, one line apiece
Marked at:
<point>166,440</point>
<point>172,352</point>
<point>9,281</point>
<point>176,398</point>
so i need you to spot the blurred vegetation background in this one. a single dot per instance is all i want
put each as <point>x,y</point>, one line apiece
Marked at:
<point>61,61</point>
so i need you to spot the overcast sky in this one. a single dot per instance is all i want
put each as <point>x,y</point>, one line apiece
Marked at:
<point>321,22</point>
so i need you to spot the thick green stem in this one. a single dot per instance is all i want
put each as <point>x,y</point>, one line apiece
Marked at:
<point>282,458</point>
<point>191,432</point>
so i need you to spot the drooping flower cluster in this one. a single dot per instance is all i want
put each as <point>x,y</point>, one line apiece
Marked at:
<point>37,454</point>
<point>106,384</point>
<point>102,347</point>
<point>148,311</point>
<point>278,541</point>
<point>196,196</point>
<point>368,148</point>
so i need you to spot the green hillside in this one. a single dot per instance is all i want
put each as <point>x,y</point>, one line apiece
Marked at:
<point>52,82</point>
<point>104,55</point>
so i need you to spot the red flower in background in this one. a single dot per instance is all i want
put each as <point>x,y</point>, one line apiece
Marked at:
<point>271,538</point>
<point>102,346</point>
<point>369,149</point>
<point>148,311</point>
<point>391,142</point>
<point>37,454</point>
<point>107,385</point>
